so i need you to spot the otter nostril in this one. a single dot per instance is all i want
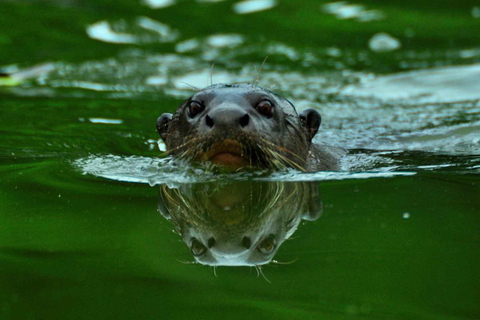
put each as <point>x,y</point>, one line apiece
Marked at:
<point>246,242</point>
<point>211,242</point>
<point>209,121</point>
<point>244,120</point>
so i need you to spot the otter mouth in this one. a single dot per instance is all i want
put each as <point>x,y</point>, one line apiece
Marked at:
<point>235,152</point>
<point>227,153</point>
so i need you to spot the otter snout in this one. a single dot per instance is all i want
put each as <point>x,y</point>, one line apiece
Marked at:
<point>227,117</point>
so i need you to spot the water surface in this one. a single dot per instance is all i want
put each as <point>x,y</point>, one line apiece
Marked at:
<point>88,226</point>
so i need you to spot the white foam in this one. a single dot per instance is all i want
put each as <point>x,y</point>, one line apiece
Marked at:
<point>156,171</point>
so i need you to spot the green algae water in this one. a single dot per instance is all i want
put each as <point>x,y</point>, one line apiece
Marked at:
<point>95,223</point>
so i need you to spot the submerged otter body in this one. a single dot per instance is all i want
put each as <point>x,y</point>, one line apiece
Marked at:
<point>243,125</point>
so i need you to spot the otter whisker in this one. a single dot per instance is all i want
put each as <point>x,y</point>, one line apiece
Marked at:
<point>211,73</point>
<point>281,148</point>
<point>263,275</point>
<point>285,160</point>
<point>186,144</point>
<point>279,164</point>
<point>257,80</point>
<point>187,262</point>
<point>194,88</point>
<point>293,163</point>
<point>170,198</point>
<point>271,158</point>
<point>285,263</point>
<point>258,272</point>
<point>294,192</point>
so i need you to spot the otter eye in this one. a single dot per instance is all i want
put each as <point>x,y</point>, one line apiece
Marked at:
<point>265,107</point>
<point>197,248</point>
<point>195,108</point>
<point>267,246</point>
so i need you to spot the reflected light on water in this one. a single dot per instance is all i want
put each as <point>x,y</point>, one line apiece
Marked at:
<point>450,84</point>
<point>225,40</point>
<point>342,10</point>
<point>250,6</point>
<point>105,121</point>
<point>157,4</point>
<point>187,45</point>
<point>153,25</point>
<point>383,42</point>
<point>476,12</point>
<point>143,31</point>
<point>103,31</point>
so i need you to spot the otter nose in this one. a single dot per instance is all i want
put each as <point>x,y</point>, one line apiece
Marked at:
<point>227,117</point>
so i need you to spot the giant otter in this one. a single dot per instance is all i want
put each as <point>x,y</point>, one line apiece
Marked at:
<point>244,125</point>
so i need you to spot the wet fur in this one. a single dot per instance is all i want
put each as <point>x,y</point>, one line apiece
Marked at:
<point>292,149</point>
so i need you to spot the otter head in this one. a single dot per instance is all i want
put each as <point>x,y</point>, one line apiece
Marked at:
<point>238,126</point>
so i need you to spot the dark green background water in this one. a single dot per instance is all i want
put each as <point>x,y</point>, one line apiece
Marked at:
<point>79,243</point>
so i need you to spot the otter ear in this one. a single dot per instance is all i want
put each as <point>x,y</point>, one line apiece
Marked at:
<point>162,124</point>
<point>311,121</point>
<point>313,207</point>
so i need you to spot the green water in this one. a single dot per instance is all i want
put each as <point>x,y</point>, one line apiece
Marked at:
<point>394,235</point>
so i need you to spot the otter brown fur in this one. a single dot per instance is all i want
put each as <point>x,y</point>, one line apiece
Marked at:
<point>244,125</point>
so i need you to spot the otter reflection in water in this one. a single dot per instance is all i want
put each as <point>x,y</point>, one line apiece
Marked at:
<point>238,223</point>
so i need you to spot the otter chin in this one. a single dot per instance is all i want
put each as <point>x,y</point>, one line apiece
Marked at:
<point>226,159</point>
<point>242,126</point>
<point>227,153</point>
